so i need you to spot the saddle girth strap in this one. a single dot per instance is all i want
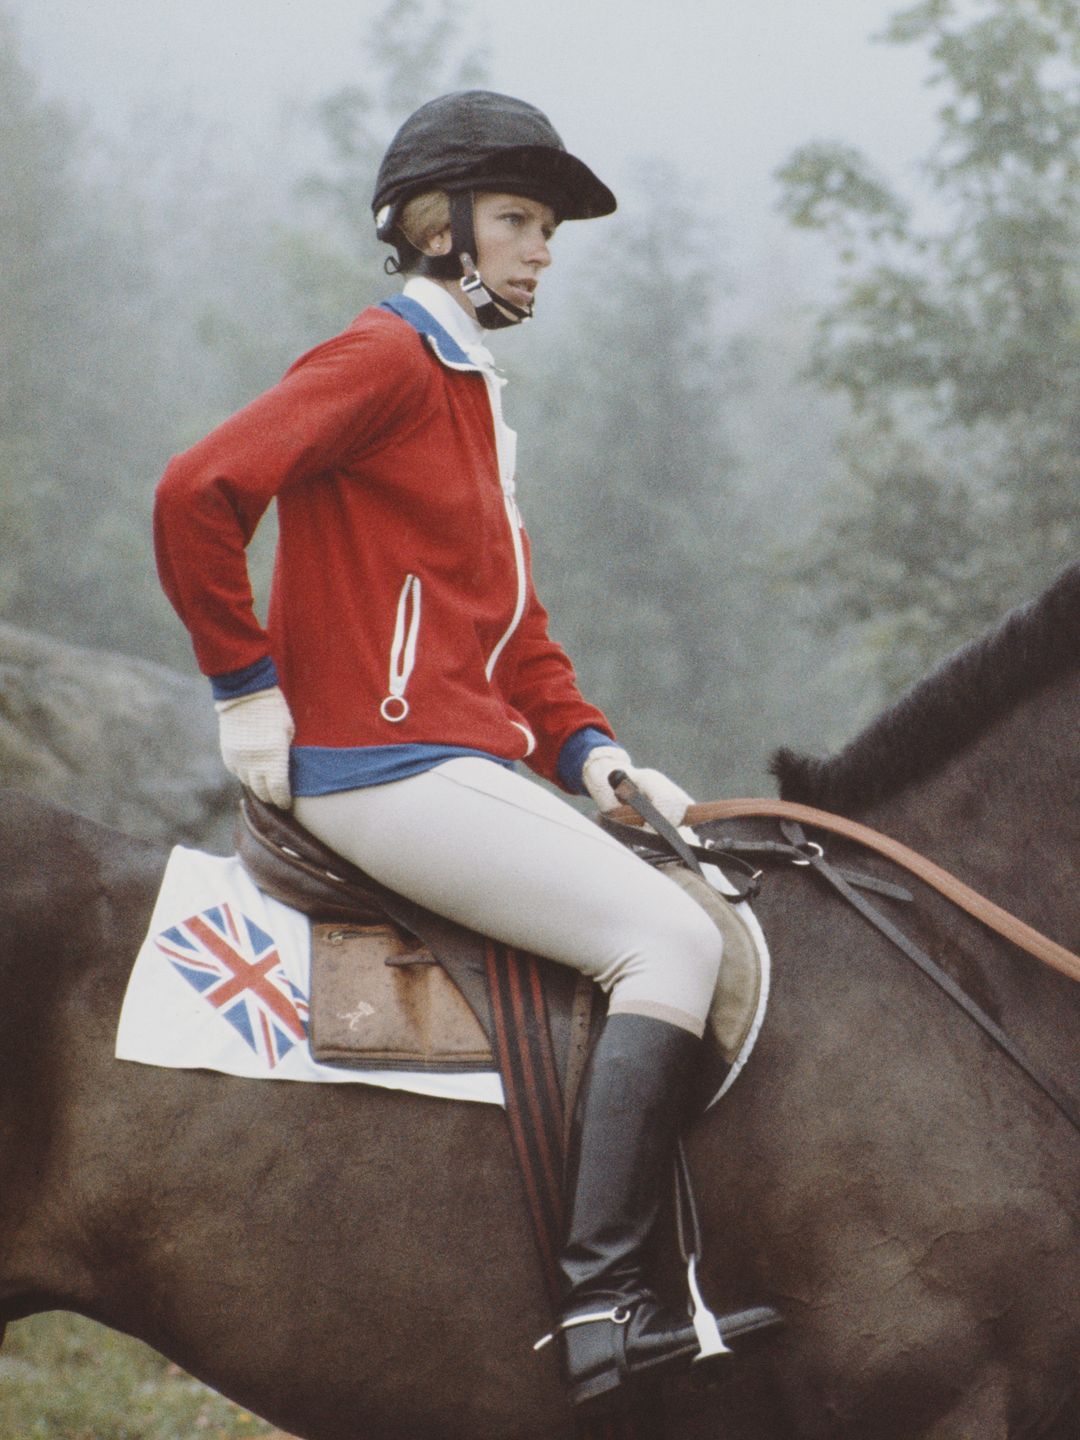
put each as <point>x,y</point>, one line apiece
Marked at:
<point>532,1095</point>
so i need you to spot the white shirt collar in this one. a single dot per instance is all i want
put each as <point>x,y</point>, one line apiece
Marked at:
<point>458,323</point>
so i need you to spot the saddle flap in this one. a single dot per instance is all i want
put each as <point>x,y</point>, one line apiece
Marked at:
<point>379,1003</point>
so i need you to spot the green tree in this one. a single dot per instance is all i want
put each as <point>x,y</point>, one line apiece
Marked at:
<point>955,338</point>
<point>78,406</point>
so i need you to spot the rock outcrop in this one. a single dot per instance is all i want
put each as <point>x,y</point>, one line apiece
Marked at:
<point>123,741</point>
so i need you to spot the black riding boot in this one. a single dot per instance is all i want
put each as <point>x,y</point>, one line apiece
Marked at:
<point>611,1326</point>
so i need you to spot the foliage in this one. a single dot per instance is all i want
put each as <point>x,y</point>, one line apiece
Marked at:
<point>955,336</point>
<point>146,292</point>
<point>64,1378</point>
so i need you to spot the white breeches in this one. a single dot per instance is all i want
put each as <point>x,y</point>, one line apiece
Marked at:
<point>490,849</point>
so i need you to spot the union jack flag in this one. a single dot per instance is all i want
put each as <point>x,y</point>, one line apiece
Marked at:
<point>234,965</point>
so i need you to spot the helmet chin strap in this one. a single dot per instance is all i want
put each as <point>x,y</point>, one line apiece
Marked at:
<point>493,311</point>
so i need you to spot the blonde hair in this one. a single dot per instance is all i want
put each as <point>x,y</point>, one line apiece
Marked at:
<point>424,216</point>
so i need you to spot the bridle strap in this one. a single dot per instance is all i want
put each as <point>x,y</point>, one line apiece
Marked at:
<point>993,916</point>
<point>794,832</point>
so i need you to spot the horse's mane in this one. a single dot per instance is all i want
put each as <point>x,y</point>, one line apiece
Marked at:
<point>948,709</point>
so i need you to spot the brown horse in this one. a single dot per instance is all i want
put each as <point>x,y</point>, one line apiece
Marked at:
<point>355,1264</point>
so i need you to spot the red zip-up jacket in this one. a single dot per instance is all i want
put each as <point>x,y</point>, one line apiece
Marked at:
<point>402,610</point>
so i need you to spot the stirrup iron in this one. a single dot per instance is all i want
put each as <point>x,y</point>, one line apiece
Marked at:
<point>688,1228</point>
<point>710,1341</point>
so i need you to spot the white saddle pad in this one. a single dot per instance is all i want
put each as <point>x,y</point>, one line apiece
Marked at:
<point>222,981</point>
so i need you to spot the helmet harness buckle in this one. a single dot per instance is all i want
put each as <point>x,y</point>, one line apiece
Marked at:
<point>493,311</point>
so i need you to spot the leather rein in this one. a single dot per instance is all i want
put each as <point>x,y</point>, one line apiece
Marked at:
<point>637,811</point>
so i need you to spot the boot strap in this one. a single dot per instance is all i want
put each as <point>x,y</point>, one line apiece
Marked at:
<point>620,1315</point>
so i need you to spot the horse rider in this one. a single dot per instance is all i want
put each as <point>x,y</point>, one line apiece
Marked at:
<point>405,667</point>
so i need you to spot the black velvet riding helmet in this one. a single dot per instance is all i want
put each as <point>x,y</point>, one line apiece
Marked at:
<point>479,140</point>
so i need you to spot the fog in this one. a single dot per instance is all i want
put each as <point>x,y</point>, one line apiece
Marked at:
<point>726,88</point>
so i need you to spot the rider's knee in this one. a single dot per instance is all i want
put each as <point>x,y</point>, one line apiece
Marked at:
<point>701,948</point>
<point>682,956</point>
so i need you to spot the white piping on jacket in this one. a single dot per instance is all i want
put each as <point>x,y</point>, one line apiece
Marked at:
<point>514,518</point>
<point>395,707</point>
<point>506,453</point>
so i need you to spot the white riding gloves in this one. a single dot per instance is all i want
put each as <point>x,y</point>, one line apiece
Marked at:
<point>255,731</point>
<point>670,799</point>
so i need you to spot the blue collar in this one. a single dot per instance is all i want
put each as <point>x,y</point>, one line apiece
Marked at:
<point>446,348</point>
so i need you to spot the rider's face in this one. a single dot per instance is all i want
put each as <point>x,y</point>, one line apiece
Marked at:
<point>512,238</point>
<point>513,235</point>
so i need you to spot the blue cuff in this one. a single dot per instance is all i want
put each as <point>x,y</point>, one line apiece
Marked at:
<point>575,752</point>
<point>232,683</point>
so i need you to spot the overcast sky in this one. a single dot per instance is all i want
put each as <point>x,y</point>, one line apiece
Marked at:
<point>729,87</point>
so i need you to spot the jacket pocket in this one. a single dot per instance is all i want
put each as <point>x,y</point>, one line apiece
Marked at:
<point>395,707</point>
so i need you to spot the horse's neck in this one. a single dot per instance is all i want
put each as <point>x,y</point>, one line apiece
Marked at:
<point>1004,815</point>
<point>1005,811</point>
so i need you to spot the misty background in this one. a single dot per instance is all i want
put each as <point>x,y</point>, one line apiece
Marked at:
<point>796,422</point>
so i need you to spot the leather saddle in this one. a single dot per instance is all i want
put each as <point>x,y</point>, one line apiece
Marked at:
<point>393,984</point>
<point>373,950</point>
